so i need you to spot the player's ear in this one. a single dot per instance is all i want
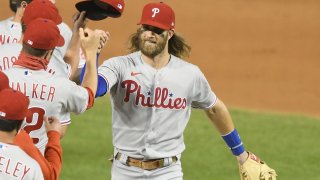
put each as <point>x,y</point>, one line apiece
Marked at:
<point>23,4</point>
<point>48,54</point>
<point>170,33</point>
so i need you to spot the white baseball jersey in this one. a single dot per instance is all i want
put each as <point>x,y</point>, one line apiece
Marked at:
<point>151,108</point>
<point>9,53</point>
<point>16,164</point>
<point>58,54</point>
<point>10,32</point>
<point>49,95</point>
<point>82,60</point>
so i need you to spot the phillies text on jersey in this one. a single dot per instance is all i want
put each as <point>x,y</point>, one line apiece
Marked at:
<point>151,107</point>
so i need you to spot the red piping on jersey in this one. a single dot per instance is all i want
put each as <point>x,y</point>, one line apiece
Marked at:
<point>31,62</point>
<point>66,122</point>
<point>91,98</point>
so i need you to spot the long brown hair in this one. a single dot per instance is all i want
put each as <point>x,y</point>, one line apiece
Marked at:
<point>177,45</point>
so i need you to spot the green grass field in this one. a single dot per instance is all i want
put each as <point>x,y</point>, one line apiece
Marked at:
<point>290,144</point>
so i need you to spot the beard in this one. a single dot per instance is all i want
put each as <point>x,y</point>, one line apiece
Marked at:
<point>151,47</point>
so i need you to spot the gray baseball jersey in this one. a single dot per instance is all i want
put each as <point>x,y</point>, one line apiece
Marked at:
<point>58,54</point>
<point>8,55</point>
<point>151,108</point>
<point>49,95</point>
<point>10,32</point>
<point>82,60</point>
<point>16,164</point>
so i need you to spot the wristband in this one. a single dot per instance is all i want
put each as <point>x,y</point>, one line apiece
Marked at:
<point>234,142</point>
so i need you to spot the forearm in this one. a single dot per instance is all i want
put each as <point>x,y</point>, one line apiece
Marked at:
<point>220,117</point>
<point>90,79</point>
<point>102,87</point>
<point>53,154</point>
<point>52,162</point>
<point>72,55</point>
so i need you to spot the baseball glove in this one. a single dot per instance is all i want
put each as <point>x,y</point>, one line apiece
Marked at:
<point>255,169</point>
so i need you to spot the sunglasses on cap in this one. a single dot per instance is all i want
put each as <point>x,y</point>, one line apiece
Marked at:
<point>152,29</point>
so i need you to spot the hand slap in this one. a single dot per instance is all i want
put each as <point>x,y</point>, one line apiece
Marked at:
<point>90,41</point>
<point>104,38</point>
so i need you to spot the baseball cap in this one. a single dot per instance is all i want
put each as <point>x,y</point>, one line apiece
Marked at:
<point>4,81</point>
<point>41,9</point>
<point>100,9</point>
<point>43,34</point>
<point>13,104</point>
<point>159,15</point>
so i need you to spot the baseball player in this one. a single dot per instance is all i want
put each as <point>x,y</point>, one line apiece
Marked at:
<point>66,58</point>
<point>15,163</point>
<point>51,95</point>
<point>51,163</point>
<point>36,9</point>
<point>10,52</point>
<point>10,28</point>
<point>152,93</point>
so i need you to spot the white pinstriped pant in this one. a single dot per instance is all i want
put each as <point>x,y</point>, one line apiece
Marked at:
<point>122,172</point>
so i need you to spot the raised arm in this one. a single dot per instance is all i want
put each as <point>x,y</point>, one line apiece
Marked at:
<point>102,87</point>
<point>90,42</point>
<point>72,55</point>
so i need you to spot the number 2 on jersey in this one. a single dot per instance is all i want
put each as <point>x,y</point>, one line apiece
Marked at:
<point>33,127</point>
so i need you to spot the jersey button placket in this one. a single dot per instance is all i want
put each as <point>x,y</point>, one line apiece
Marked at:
<point>148,136</point>
<point>152,133</point>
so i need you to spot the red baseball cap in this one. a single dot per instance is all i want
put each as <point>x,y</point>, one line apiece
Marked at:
<point>158,15</point>
<point>4,81</point>
<point>101,9</point>
<point>43,34</point>
<point>13,105</point>
<point>118,5</point>
<point>41,9</point>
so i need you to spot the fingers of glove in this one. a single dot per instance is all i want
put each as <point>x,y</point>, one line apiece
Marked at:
<point>273,174</point>
<point>242,172</point>
<point>265,176</point>
<point>267,170</point>
<point>244,176</point>
<point>268,175</point>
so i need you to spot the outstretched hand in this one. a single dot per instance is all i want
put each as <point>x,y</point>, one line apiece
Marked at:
<point>104,38</point>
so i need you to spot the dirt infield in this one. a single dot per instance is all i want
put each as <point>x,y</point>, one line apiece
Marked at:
<point>262,55</point>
